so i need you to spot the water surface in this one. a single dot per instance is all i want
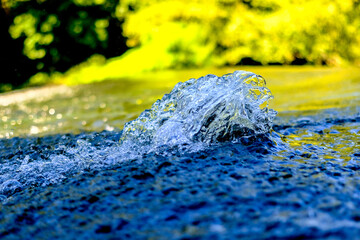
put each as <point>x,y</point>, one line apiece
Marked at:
<point>110,104</point>
<point>63,172</point>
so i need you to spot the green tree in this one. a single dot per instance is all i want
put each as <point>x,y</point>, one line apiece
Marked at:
<point>182,33</point>
<point>56,34</point>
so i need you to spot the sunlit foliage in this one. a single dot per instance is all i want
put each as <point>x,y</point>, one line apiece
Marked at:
<point>173,34</point>
<point>222,32</point>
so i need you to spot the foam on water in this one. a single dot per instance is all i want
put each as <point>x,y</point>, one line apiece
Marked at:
<point>194,115</point>
<point>20,173</point>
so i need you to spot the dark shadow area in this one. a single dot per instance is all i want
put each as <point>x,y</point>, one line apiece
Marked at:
<point>77,32</point>
<point>299,61</point>
<point>249,61</point>
<point>15,67</point>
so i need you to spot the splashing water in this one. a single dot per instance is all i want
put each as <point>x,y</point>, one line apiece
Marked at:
<point>195,114</point>
<point>203,111</point>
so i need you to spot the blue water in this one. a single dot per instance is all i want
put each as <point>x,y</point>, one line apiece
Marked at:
<point>209,160</point>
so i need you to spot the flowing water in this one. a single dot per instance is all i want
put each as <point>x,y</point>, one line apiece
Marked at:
<point>216,157</point>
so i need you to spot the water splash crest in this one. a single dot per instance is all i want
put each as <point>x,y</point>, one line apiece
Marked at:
<point>202,111</point>
<point>194,115</point>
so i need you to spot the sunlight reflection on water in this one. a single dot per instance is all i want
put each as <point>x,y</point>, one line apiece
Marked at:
<point>110,104</point>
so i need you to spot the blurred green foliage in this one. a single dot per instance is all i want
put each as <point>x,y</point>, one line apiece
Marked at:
<point>229,32</point>
<point>163,34</point>
<point>58,34</point>
<point>62,33</point>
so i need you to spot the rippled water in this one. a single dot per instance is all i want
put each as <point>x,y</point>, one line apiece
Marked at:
<point>302,175</point>
<point>111,104</point>
<point>194,115</point>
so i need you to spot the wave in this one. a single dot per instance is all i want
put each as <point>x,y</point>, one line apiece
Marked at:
<point>195,115</point>
<point>203,111</point>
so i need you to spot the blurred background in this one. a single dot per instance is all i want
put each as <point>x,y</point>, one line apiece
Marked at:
<point>83,41</point>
